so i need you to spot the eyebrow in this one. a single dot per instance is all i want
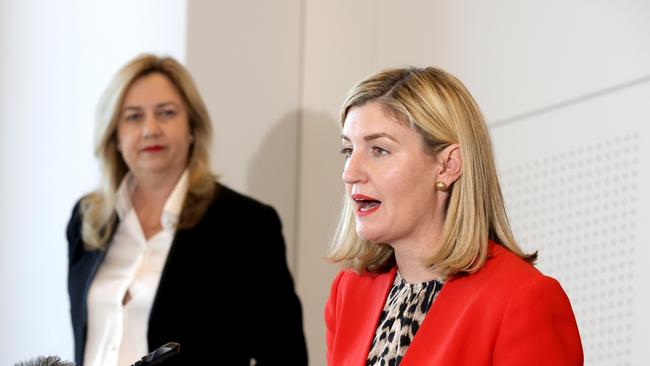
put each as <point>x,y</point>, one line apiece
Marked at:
<point>373,136</point>
<point>159,105</point>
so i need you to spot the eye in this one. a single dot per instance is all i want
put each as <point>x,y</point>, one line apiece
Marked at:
<point>167,113</point>
<point>379,151</point>
<point>346,151</point>
<point>132,117</point>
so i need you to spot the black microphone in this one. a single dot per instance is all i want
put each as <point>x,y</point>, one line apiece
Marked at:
<point>159,354</point>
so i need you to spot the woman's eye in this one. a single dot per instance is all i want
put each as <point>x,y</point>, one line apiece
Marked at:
<point>378,151</point>
<point>167,113</point>
<point>132,117</point>
<point>346,151</point>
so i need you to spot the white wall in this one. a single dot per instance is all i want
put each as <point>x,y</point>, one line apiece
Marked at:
<point>55,59</point>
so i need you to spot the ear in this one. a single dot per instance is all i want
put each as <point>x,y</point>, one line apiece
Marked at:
<point>450,162</point>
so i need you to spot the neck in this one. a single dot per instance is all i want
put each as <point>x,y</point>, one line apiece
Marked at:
<point>411,253</point>
<point>411,266</point>
<point>152,190</point>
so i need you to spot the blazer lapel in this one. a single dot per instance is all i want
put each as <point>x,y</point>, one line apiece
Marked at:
<point>434,337</point>
<point>367,302</point>
<point>431,336</point>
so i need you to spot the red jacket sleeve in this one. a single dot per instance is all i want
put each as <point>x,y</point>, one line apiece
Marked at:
<point>538,327</point>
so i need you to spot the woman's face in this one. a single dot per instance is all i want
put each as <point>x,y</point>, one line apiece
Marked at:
<point>388,176</point>
<point>153,132</point>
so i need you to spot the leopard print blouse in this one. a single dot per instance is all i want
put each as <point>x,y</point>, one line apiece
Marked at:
<point>404,311</point>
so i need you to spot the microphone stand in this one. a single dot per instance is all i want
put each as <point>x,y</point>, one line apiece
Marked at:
<point>159,354</point>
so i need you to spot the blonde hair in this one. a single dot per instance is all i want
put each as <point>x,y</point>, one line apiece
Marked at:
<point>443,112</point>
<point>98,208</point>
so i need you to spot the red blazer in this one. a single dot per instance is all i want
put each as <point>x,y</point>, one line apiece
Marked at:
<point>507,313</point>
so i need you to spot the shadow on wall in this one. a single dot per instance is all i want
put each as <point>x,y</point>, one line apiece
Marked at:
<point>321,202</point>
<point>272,175</point>
<point>314,160</point>
<point>321,186</point>
<point>299,157</point>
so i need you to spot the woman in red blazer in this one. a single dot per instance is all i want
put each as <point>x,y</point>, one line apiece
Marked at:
<point>432,274</point>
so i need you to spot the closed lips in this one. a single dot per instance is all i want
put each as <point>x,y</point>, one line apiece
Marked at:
<point>153,148</point>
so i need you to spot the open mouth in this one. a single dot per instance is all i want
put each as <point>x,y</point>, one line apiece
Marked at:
<point>365,205</point>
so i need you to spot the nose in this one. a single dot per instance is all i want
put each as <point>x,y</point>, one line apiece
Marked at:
<point>150,126</point>
<point>354,170</point>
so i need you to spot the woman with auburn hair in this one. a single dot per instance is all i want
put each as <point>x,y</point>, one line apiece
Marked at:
<point>161,252</point>
<point>432,274</point>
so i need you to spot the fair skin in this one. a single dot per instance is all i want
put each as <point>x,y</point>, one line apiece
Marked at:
<point>392,181</point>
<point>154,138</point>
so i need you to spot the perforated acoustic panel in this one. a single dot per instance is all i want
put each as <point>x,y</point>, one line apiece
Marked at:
<point>575,180</point>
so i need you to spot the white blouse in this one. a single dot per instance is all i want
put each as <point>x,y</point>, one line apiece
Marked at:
<point>117,333</point>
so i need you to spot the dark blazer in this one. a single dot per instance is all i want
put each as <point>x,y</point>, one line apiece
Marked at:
<point>506,313</point>
<point>225,294</point>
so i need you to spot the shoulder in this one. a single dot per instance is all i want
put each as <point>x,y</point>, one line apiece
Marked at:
<point>350,277</point>
<point>235,216</point>
<point>505,270</point>
<point>73,229</point>
<point>536,315</point>
<point>230,203</point>
<point>344,278</point>
<point>75,215</point>
<point>349,283</point>
<point>77,251</point>
<point>503,277</point>
<point>519,279</point>
<point>505,283</point>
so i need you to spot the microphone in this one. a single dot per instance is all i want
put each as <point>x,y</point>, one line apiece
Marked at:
<point>159,354</point>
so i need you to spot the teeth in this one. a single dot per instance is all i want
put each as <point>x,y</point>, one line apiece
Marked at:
<point>367,205</point>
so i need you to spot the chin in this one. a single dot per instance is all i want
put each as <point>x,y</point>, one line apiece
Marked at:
<point>155,167</point>
<point>369,235</point>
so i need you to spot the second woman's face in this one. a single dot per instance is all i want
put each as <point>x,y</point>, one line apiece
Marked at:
<point>388,176</point>
<point>153,132</point>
